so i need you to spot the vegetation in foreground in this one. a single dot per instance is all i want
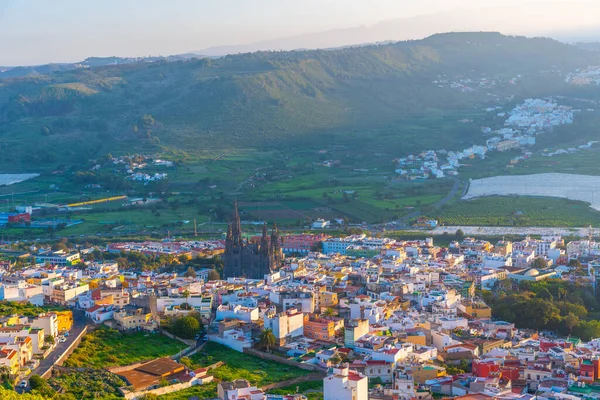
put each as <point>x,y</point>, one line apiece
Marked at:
<point>106,347</point>
<point>25,308</point>
<point>244,366</point>
<point>238,365</point>
<point>88,384</point>
<point>553,304</point>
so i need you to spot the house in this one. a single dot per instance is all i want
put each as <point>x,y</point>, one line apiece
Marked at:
<point>9,358</point>
<point>149,375</point>
<point>135,319</point>
<point>320,328</point>
<point>247,314</point>
<point>354,330</point>
<point>375,369</point>
<point>345,384</point>
<point>99,313</point>
<point>286,325</point>
<point>320,224</point>
<point>238,390</point>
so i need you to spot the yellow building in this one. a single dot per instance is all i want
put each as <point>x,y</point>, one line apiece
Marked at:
<point>327,299</point>
<point>475,309</point>
<point>64,320</point>
<point>135,320</point>
<point>418,338</point>
<point>424,372</point>
<point>504,247</point>
<point>10,359</point>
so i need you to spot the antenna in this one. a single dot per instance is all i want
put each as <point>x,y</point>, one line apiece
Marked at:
<point>590,240</point>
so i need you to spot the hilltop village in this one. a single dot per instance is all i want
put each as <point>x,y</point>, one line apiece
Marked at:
<point>375,317</point>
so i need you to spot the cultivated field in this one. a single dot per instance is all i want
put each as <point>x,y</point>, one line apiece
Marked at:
<point>568,186</point>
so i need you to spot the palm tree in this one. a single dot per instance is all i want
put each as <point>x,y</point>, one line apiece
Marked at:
<point>330,312</point>
<point>266,339</point>
<point>186,294</point>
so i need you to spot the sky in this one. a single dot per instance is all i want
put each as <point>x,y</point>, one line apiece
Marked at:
<point>41,31</point>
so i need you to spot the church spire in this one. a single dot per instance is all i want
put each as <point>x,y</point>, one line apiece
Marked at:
<point>236,226</point>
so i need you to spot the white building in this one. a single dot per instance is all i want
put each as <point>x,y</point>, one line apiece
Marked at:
<point>247,314</point>
<point>344,384</point>
<point>286,325</point>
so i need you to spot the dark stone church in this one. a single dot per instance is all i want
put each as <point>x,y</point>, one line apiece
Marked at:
<point>250,260</point>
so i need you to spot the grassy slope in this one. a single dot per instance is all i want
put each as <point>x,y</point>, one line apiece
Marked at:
<point>237,366</point>
<point>107,347</point>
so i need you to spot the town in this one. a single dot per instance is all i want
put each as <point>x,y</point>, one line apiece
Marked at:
<point>354,317</point>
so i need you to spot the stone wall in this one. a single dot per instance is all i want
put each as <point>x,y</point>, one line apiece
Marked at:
<point>167,389</point>
<point>68,351</point>
<point>281,360</point>
<point>294,381</point>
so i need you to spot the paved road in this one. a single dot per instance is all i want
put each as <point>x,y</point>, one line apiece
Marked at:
<point>405,221</point>
<point>79,322</point>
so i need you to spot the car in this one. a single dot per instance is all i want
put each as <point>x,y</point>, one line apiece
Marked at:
<point>23,384</point>
<point>66,334</point>
<point>62,340</point>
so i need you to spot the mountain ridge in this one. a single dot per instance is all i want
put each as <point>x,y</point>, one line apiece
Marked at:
<point>263,98</point>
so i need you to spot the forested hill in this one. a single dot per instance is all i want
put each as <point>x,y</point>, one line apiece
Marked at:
<point>261,99</point>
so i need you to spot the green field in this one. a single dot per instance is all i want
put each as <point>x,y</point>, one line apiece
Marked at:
<point>106,347</point>
<point>238,365</point>
<point>519,211</point>
<point>88,384</point>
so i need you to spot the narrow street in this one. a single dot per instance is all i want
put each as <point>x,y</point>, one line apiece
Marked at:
<point>79,322</point>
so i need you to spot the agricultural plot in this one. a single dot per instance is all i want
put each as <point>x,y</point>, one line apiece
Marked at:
<point>284,212</point>
<point>569,186</point>
<point>519,211</point>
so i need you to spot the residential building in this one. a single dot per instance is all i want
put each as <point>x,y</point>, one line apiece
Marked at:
<point>345,384</point>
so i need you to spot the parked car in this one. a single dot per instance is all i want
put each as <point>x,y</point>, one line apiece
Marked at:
<point>62,340</point>
<point>23,384</point>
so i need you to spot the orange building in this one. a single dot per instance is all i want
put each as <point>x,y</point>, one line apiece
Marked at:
<point>319,328</point>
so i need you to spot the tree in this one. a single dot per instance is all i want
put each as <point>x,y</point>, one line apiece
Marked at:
<point>59,247</point>
<point>213,275</point>
<point>330,312</point>
<point>186,327</point>
<point>41,386</point>
<point>335,359</point>
<point>571,321</point>
<point>186,294</point>
<point>266,340</point>
<point>163,382</point>
<point>190,273</point>
<point>539,263</point>
<point>49,339</point>
<point>459,235</point>
<point>545,294</point>
<point>4,373</point>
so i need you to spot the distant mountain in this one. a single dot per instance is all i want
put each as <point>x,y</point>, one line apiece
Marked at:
<point>15,72</point>
<point>508,20</point>
<point>365,96</point>
<point>591,46</point>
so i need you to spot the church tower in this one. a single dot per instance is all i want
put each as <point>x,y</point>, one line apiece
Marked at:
<point>250,260</point>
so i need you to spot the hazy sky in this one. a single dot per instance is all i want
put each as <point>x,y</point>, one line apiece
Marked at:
<point>41,31</point>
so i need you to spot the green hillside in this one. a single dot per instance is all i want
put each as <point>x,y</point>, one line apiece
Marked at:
<point>373,96</point>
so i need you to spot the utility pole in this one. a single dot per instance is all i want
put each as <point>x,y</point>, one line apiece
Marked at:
<point>195,228</point>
